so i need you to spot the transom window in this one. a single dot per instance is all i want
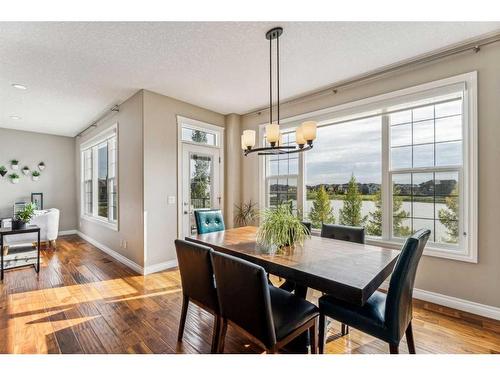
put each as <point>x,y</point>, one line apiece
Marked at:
<point>394,164</point>
<point>99,178</point>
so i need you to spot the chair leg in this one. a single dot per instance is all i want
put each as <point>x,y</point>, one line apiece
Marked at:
<point>321,339</point>
<point>222,336</point>
<point>409,339</point>
<point>344,329</point>
<point>393,349</point>
<point>215,334</point>
<point>272,350</point>
<point>313,337</point>
<point>182,323</point>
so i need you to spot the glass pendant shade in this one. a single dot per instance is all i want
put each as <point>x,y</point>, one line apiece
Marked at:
<point>272,133</point>
<point>299,136</point>
<point>309,130</point>
<point>248,139</point>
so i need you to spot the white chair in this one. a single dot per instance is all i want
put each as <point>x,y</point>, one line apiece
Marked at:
<point>47,220</point>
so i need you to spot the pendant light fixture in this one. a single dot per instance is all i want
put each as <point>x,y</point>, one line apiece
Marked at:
<point>305,134</point>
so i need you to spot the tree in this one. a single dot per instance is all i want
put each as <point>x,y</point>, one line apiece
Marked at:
<point>321,211</point>
<point>449,216</point>
<point>350,213</point>
<point>374,226</point>
<point>200,181</point>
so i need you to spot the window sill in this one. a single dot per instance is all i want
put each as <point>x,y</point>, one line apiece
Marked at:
<point>102,222</point>
<point>436,252</point>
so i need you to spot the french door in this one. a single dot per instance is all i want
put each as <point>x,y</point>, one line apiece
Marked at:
<point>201,187</point>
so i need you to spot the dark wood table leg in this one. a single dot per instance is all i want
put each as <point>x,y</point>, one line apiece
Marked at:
<point>38,253</point>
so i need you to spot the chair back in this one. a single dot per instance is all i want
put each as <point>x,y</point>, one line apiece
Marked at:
<point>197,277</point>
<point>398,308</point>
<point>244,297</point>
<point>208,221</point>
<point>343,233</point>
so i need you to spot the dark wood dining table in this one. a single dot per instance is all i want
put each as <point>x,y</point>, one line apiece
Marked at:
<point>347,270</point>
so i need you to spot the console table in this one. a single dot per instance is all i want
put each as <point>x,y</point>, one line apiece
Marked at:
<point>18,259</point>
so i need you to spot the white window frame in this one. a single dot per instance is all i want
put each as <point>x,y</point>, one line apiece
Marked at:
<point>468,249</point>
<point>94,144</point>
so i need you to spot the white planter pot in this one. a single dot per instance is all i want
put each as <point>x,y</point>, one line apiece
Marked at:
<point>26,171</point>
<point>14,167</point>
<point>41,167</point>
<point>15,180</point>
<point>35,178</point>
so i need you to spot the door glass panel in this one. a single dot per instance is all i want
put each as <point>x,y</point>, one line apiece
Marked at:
<point>200,181</point>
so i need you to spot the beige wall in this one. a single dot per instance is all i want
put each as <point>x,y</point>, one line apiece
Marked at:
<point>233,167</point>
<point>56,182</point>
<point>160,170</point>
<point>474,282</point>
<point>130,168</point>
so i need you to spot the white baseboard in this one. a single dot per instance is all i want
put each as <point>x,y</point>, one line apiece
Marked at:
<point>67,232</point>
<point>160,267</point>
<point>120,258</point>
<point>454,303</point>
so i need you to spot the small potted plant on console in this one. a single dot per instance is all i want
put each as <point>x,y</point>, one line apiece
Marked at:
<point>24,216</point>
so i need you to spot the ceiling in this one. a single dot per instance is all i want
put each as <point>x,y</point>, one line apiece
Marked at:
<point>75,71</point>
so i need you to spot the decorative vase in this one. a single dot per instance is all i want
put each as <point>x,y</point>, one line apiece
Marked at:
<point>15,180</point>
<point>18,224</point>
<point>41,166</point>
<point>26,171</point>
<point>35,178</point>
<point>14,167</point>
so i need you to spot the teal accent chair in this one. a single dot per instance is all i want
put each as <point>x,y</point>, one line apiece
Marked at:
<point>208,221</point>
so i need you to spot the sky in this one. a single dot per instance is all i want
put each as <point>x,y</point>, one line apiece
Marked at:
<point>355,148</point>
<point>343,149</point>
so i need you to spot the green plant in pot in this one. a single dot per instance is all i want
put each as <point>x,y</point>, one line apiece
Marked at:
<point>281,229</point>
<point>245,214</point>
<point>24,216</point>
<point>14,164</point>
<point>14,178</point>
<point>35,175</point>
<point>3,170</point>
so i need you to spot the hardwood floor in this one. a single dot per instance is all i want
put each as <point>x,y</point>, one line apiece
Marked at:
<point>83,301</point>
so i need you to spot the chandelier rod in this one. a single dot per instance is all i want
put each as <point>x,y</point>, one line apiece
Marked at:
<point>270,81</point>
<point>278,74</point>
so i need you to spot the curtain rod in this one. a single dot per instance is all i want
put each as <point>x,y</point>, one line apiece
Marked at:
<point>470,45</point>
<point>115,108</point>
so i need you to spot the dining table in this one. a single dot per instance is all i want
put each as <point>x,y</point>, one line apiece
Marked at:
<point>349,271</point>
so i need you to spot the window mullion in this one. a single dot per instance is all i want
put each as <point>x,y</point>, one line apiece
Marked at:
<point>386,183</point>
<point>95,185</point>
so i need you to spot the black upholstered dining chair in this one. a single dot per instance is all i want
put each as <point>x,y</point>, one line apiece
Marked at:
<point>198,286</point>
<point>343,233</point>
<point>384,316</point>
<point>272,316</point>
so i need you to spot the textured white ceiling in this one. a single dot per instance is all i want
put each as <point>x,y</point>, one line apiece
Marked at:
<point>76,71</point>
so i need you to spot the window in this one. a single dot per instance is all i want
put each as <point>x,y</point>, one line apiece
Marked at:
<point>99,178</point>
<point>193,134</point>
<point>394,164</point>
<point>282,172</point>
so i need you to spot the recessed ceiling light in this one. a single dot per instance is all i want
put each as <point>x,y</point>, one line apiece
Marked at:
<point>19,86</point>
<point>15,117</point>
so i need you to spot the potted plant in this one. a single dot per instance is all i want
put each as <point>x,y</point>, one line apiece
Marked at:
<point>41,165</point>
<point>3,170</point>
<point>26,170</point>
<point>35,175</point>
<point>24,216</point>
<point>245,214</point>
<point>14,164</point>
<point>281,229</point>
<point>14,178</point>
